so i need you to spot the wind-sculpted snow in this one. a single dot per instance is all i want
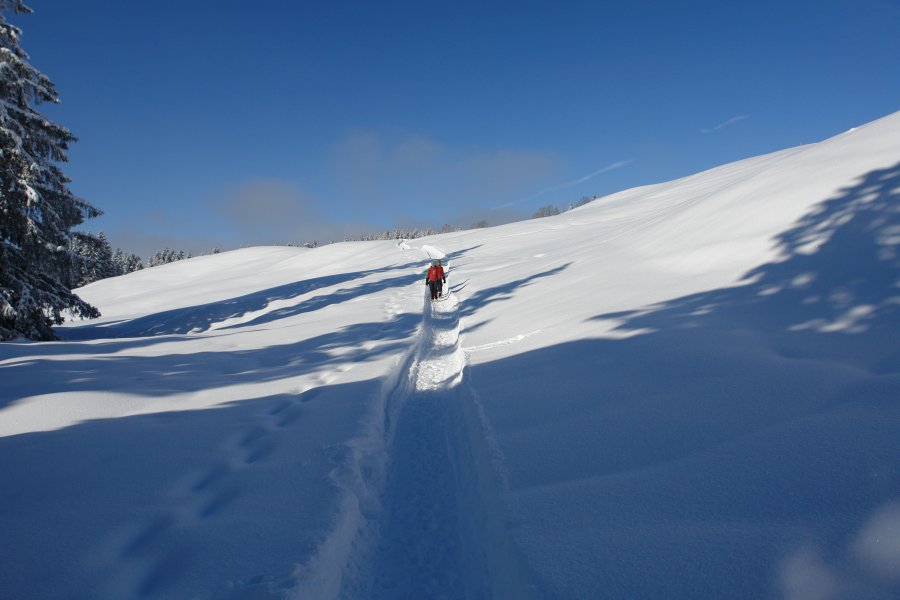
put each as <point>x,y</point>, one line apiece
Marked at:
<point>685,391</point>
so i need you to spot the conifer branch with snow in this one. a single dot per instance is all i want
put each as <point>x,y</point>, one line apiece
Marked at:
<point>37,209</point>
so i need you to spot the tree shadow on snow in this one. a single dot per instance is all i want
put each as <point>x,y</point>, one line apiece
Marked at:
<point>498,293</point>
<point>833,294</point>
<point>171,374</point>
<point>183,373</point>
<point>200,318</point>
<point>730,429</point>
<point>220,503</point>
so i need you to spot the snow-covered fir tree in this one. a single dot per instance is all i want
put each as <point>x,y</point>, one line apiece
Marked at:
<point>167,255</point>
<point>400,233</point>
<point>92,259</point>
<point>133,263</point>
<point>161,257</point>
<point>37,209</point>
<point>118,262</point>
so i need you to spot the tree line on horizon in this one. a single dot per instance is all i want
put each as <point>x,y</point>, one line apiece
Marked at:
<point>94,258</point>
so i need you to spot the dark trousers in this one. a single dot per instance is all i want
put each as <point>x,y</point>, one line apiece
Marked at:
<point>435,287</point>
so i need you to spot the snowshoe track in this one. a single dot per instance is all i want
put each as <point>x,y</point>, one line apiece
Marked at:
<point>422,515</point>
<point>419,547</point>
<point>440,533</point>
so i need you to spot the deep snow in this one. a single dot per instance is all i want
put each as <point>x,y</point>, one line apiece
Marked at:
<point>686,390</point>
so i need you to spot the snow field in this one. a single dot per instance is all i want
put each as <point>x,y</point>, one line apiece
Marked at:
<point>686,390</point>
<point>190,454</point>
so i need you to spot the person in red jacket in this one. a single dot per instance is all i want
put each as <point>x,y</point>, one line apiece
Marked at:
<point>435,279</point>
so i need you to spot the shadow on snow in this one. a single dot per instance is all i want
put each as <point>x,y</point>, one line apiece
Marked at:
<point>196,319</point>
<point>686,461</point>
<point>486,296</point>
<point>734,427</point>
<point>839,274</point>
<point>207,504</point>
<point>183,373</point>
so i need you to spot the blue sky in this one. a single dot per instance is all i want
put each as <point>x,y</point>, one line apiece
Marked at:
<point>228,123</point>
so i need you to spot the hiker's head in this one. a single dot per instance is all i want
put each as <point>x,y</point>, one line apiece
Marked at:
<point>438,262</point>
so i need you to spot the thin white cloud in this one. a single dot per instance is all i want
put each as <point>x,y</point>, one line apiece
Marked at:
<point>727,123</point>
<point>572,183</point>
<point>613,166</point>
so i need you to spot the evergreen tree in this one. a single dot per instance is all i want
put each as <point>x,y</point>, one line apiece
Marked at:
<point>133,263</point>
<point>394,234</point>
<point>103,263</point>
<point>118,263</point>
<point>164,257</point>
<point>159,258</point>
<point>37,209</point>
<point>92,259</point>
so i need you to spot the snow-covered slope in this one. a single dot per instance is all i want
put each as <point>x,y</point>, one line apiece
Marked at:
<point>686,390</point>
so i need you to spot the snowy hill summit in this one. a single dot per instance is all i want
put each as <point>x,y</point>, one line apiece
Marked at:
<point>685,390</point>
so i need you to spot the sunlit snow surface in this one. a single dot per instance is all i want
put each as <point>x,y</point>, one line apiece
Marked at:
<point>686,390</point>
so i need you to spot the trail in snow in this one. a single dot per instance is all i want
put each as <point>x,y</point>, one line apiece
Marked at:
<point>439,530</point>
<point>422,516</point>
<point>419,552</point>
